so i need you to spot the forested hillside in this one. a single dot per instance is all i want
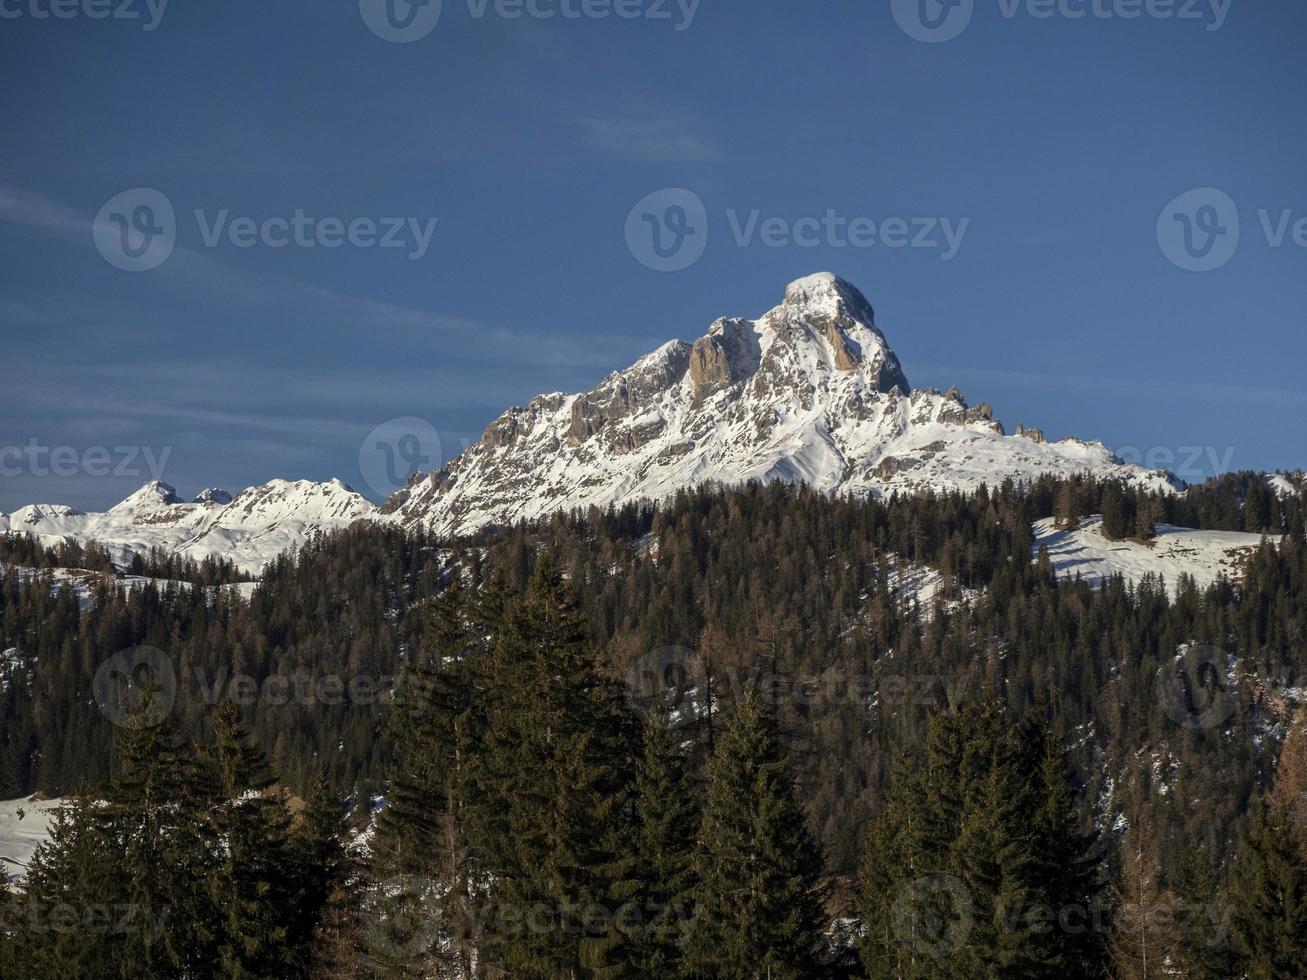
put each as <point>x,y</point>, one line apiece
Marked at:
<point>1137,720</point>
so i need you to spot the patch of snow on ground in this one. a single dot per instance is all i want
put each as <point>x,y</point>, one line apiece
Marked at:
<point>21,835</point>
<point>1176,551</point>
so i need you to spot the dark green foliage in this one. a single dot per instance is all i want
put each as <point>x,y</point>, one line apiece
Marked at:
<point>547,807</point>
<point>178,869</point>
<point>667,821</point>
<point>976,867</point>
<point>758,902</point>
<point>764,582</point>
<point>1268,898</point>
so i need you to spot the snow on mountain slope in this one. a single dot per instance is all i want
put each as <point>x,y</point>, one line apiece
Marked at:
<point>1285,485</point>
<point>24,824</point>
<point>809,392</point>
<point>250,529</point>
<point>1177,551</point>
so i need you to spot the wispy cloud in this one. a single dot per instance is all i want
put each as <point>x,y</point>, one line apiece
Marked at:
<point>647,134</point>
<point>192,271</point>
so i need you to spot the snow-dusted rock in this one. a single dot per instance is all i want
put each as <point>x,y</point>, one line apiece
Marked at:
<point>250,529</point>
<point>810,392</point>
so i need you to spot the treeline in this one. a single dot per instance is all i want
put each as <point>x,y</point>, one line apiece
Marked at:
<point>763,585</point>
<point>17,548</point>
<point>211,570</point>
<point>183,864</point>
<point>543,822</point>
<point>24,550</point>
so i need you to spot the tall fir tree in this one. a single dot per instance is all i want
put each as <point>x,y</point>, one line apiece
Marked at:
<point>667,819</point>
<point>434,727</point>
<point>1268,899</point>
<point>975,866</point>
<point>758,904</point>
<point>548,813</point>
<point>254,885</point>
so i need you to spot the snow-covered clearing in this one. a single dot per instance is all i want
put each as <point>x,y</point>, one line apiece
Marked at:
<point>1203,555</point>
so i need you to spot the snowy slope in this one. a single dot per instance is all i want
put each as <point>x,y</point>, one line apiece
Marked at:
<point>19,836</point>
<point>1203,555</point>
<point>250,529</point>
<point>810,392</point>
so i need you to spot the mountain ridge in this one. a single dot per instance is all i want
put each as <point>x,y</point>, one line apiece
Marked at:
<point>809,392</point>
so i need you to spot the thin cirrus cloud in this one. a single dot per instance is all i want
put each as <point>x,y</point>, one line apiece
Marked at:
<point>657,137</point>
<point>190,271</point>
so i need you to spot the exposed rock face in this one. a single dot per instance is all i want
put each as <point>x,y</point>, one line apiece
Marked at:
<point>212,496</point>
<point>810,391</point>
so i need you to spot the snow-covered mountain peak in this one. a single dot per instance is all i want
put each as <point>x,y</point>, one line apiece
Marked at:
<point>808,392</point>
<point>214,496</point>
<point>149,499</point>
<point>826,294</point>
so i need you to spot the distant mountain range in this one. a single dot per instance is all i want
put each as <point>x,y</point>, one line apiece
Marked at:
<point>809,392</point>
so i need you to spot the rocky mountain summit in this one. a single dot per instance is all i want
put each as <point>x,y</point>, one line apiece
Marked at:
<point>810,391</point>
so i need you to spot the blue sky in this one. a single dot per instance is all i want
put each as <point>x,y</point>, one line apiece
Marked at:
<point>1059,141</point>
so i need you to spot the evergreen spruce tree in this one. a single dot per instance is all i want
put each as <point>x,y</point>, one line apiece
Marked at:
<point>758,910</point>
<point>975,868</point>
<point>253,887</point>
<point>420,845</point>
<point>156,823</point>
<point>1116,523</point>
<point>326,916</point>
<point>1268,899</point>
<point>667,819</point>
<point>73,879</point>
<point>547,815</point>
